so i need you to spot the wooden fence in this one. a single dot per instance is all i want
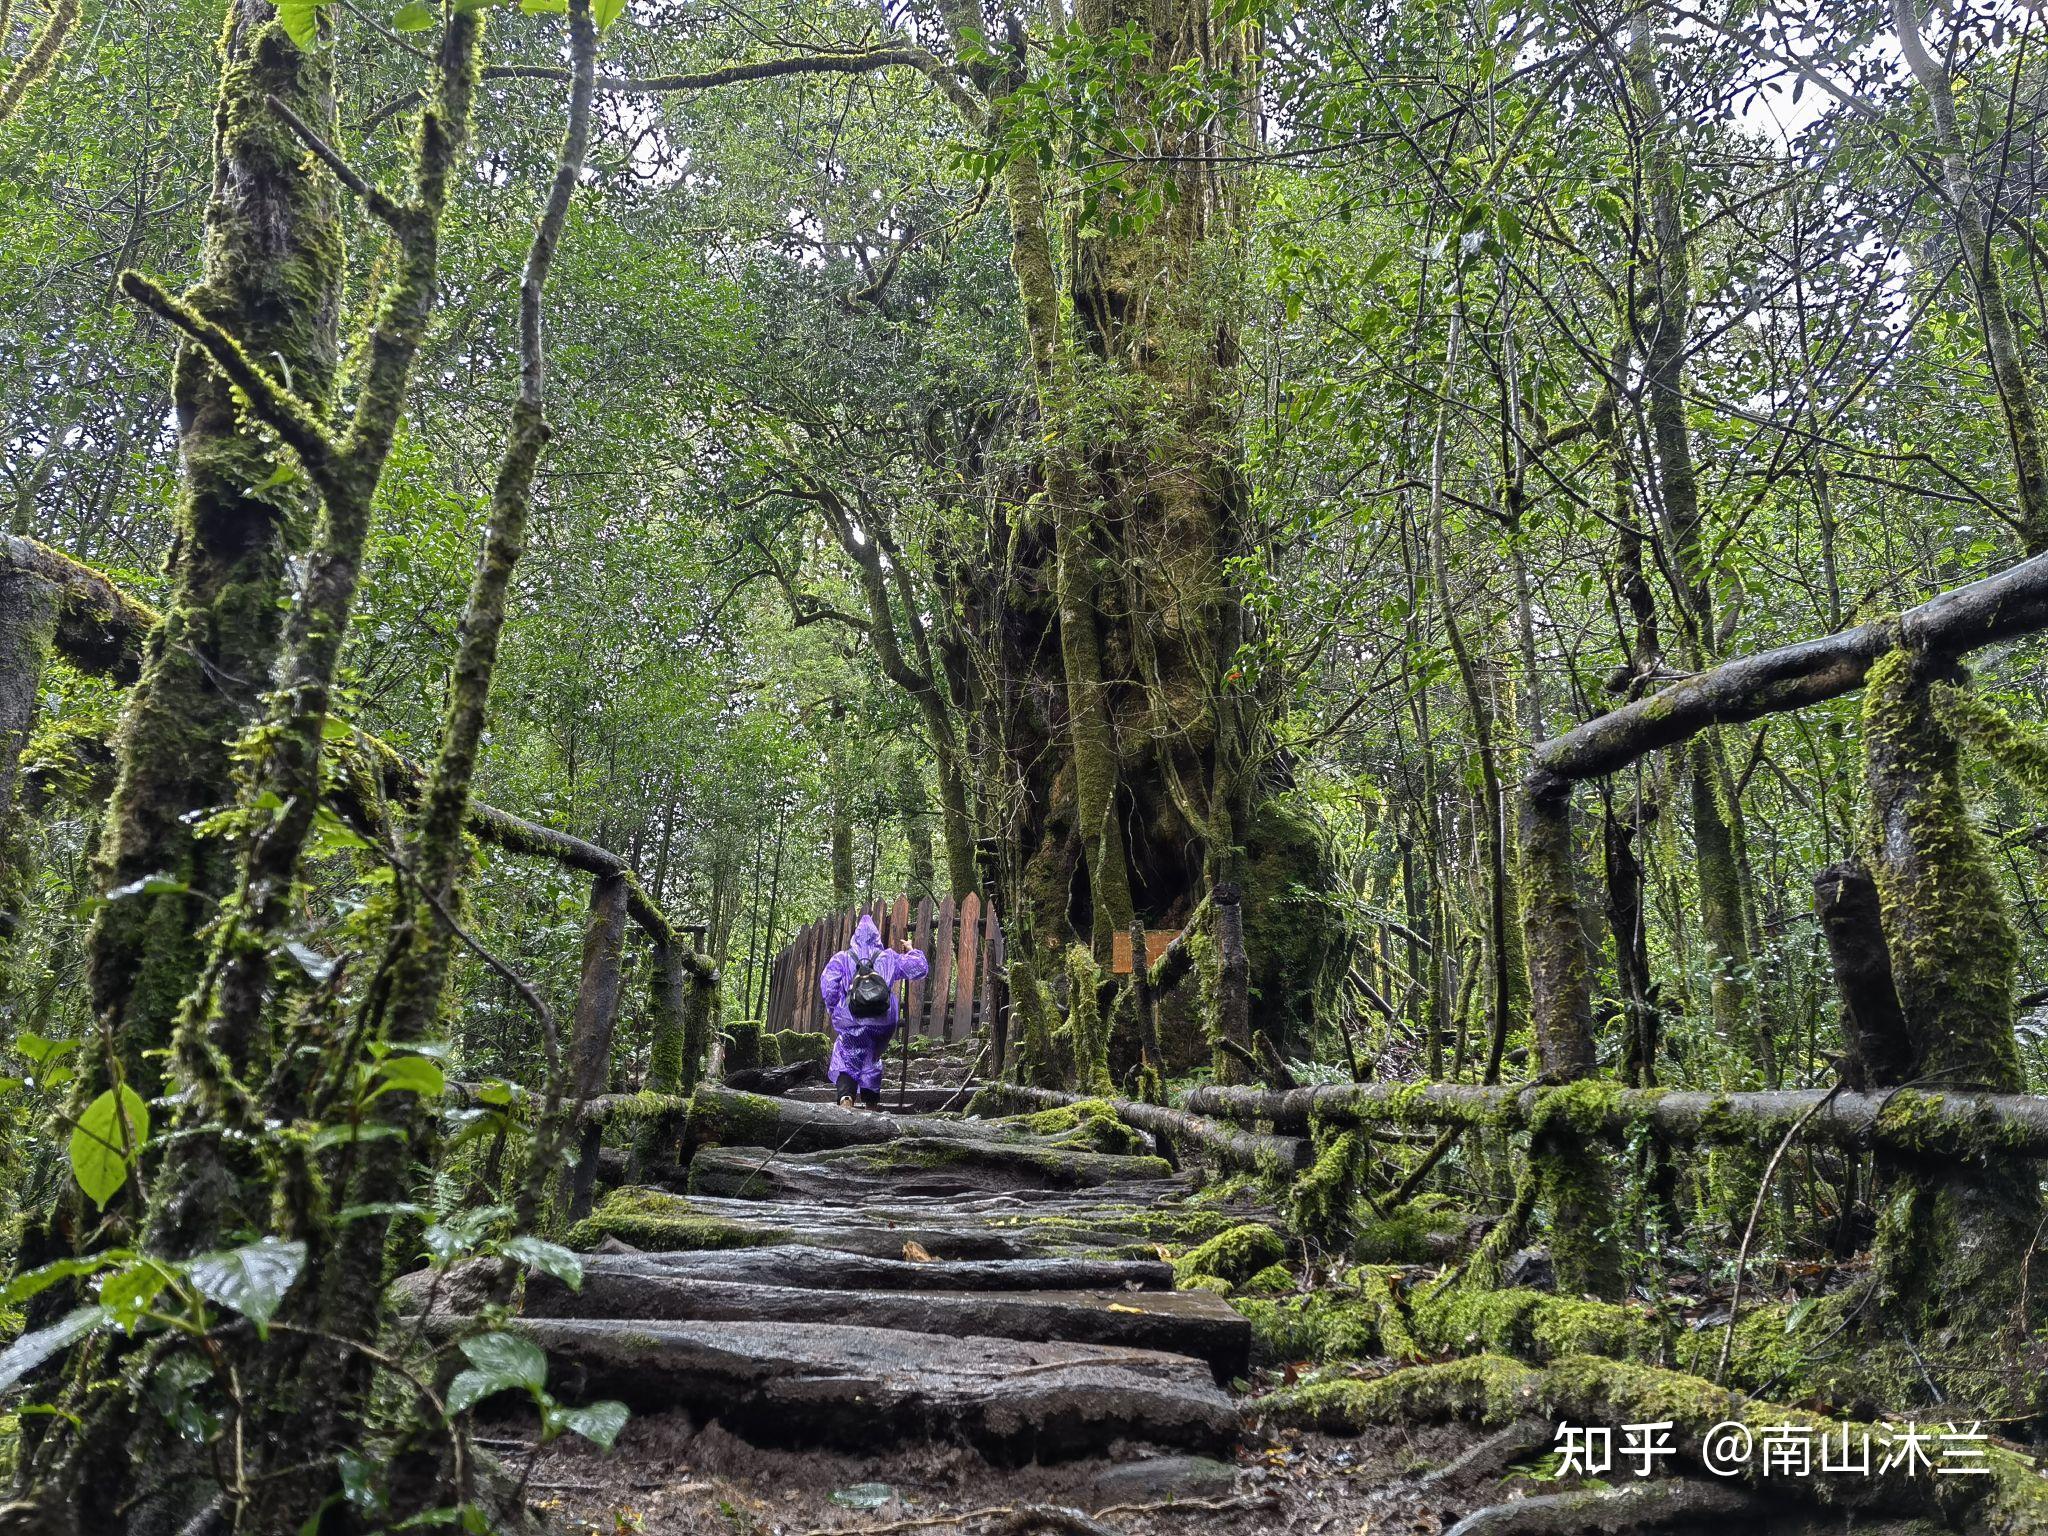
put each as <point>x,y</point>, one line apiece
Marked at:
<point>962,939</point>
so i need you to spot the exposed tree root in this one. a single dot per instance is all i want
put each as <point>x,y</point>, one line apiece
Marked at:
<point>1608,1511</point>
<point>2009,1499</point>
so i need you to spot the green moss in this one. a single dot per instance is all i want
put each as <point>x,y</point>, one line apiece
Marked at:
<point>1405,1237</point>
<point>1323,1204</point>
<point>1092,1123</point>
<point>1273,1280</point>
<point>1536,1325</point>
<point>663,1223</point>
<point>727,1117</point>
<point>1235,1255</point>
<point>794,1045</point>
<point>1085,1021</point>
<point>1294,926</point>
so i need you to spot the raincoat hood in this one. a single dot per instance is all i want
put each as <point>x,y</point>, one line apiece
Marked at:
<point>867,938</point>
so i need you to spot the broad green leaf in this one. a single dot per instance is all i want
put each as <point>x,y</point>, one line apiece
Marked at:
<point>301,21</point>
<point>40,1051</point>
<point>599,1423</point>
<point>36,1281</point>
<point>252,1279</point>
<point>544,7</point>
<point>127,1292</point>
<point>412,1074</point>
<point>605,12</point>
<point>499,1362</point>
<point>414,16</point>
<point>549,1258</point>
<point>32,1349</point>
<point>112,1130</point>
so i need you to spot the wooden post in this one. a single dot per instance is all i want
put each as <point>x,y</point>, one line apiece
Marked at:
<point>590,1033</point>
<point>1879,1054</point>
<point>670,1068</point>
<point>1572,1176</point>
<point>1233,1055</point>
<point>1147,1005</point>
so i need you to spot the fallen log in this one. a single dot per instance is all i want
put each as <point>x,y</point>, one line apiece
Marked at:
<point>1230,1146</point>
<point>775,1082</point>
<point>1196,1323</point>
<point>817,1268</point>
<point>2002,607</point>
<point>1906,1121</point>
<point>722,1116</point>
<point>810,1385</point>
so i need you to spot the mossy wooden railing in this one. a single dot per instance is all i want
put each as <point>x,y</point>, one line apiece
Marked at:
<point>52,604</point>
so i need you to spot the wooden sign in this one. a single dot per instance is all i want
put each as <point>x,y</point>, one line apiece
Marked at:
<point>1156,942</point>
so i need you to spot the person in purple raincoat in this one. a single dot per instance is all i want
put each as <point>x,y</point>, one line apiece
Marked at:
<point>859,1043</point>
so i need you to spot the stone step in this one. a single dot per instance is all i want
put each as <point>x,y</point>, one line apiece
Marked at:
<point>1195,1323</point>
<point>856,1388</point>
<point>822,1269</point>
<point>912,1166</point>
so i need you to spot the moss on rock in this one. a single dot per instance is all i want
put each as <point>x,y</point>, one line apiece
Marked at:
<point>663,1223</point>
<point>1234,1256</point>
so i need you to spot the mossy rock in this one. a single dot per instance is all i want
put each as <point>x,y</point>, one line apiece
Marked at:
<point>743,1046</point>
<point>1092,1123</point>
<point>1233,1256</point>
<point>1273,1280</point>
<point>1329,1323</point>
<point>794,1045</point>
<point>659,1222</point>
<point>1537,1325</point>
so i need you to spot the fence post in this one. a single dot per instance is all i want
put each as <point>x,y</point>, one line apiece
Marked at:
<point>1573,1179</point>
<point>590,1033</point>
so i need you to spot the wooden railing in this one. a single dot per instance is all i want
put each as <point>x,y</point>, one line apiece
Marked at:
<point>962,939</point>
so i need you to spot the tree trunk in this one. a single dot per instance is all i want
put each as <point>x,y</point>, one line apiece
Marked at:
<point>272,276</point>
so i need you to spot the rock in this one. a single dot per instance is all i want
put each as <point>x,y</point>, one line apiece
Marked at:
<point>822,1269</point>
<point>1155,1478</point>
<point>1192,1323</point>
<point>854,1388</point>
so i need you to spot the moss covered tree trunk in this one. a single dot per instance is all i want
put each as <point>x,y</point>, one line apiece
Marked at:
<point>1955,1236</point>
<point>272,276</point>
<point>28,623</point>
<point>1159,777</point>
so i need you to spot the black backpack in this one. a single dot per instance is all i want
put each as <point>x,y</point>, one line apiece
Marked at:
<point>868,997</point>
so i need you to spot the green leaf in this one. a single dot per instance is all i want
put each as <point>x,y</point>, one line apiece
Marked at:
<point>414,16</point>
<point>599,1423</point>
<point>114,1127</point>
<point>500,1362</point>
<point>605,12</point>
<point>412,1074</point>
<point>32,1349</point>
<point>330,1136</point>
<point>36,1281</point>
<point>549,1258</point>
<point>301,21</point>
<point>127,1292</point>
<point>40,1051</point>
<point>252,1279</point>
<point>544,7</point>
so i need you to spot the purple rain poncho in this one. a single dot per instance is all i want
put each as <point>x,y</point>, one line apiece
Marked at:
<point>859,1043</point>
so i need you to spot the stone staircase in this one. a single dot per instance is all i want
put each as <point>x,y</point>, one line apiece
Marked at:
<point>819,1277</point>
